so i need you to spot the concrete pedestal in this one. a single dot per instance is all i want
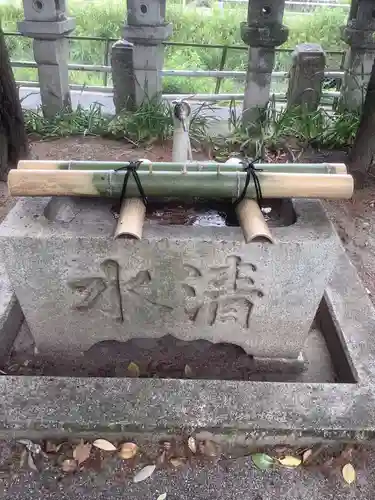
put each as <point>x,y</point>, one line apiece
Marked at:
<point>263,32</point>
<point>359,35</point>
<point>358,66</point>
<point>306,76</point>
<point>77,286</point>
<point>123,76</point>
<point>47,24</point>
<point>52,57</point>
<point>146,29</point>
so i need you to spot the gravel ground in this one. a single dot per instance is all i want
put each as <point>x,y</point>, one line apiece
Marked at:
<point>228,479</point>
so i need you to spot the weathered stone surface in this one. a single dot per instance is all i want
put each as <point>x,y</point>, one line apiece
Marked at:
<point>77,286</point>
<point>358,66</point>
<point>44,10</point>
<point>52,58</point>
<point>258,83</point>
<point>146,12</point>
<point>247,412</point>
<point>146,29</point>
<point>306,76</point>
<point>47,30</point>
<point>359,35</point>
<point>46,22</point>
<point>11,315</point>
<point>123,76</point>
<point>148,61</point>
<point>263,31</point>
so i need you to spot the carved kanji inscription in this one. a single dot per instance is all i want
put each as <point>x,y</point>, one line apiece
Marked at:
<point>223,294</point>
<point>105,292</point>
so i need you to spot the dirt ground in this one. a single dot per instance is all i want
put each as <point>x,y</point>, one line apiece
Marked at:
<point>353,219</point>
<point>217,476</point>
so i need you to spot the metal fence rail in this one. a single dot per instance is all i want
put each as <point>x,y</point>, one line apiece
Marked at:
<point>218,74</point>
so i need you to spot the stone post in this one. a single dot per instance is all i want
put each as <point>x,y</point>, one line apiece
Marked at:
<point>46,22</point>
<point>263,32</point>
<point>123,76</point>
<point>359,35</point>
<point>146,29</point>
<point>306,76</point>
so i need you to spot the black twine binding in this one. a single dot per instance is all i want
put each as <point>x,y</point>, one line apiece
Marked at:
<point>251,172</point>
<point>132,169</point>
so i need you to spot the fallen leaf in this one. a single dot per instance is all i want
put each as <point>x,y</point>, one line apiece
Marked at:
<point>177,462</point>
<point>192,444</point>
<point>144,473</point>
<point>82,452</point>
<point>188,371</point>
<point>31,463</point>
<point>348,473</point>
<point>128,450</point>
<point>133,370</point>
<point>262,461</point>
<point>163,496</point>
<point>69,465</point>
<point>306,455</point>
<point>32,447</point>
<point>290,461</point>
<point>105,445</point>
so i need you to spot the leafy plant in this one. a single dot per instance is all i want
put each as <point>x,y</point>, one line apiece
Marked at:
<point>151,122</point>
<point>67,122</point>
<point>285,129</point>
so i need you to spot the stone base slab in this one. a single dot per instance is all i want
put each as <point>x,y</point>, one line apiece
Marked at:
<point>11,316</point>
<point>261,412</point>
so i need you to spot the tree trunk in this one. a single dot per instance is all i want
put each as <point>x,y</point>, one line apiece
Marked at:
<point>13,137</point>
<point>362,154</point>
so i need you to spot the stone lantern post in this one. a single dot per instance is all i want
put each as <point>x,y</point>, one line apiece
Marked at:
<point>146,29</point>
<point>46,22</point>
<point>359,35</point>
<point>263,32</point>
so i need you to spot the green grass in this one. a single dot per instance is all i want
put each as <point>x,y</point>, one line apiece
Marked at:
<point>287,129</point>
<point>190,26</point>
<point>151,122</point>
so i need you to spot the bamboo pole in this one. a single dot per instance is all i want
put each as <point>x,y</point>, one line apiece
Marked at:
<point>252,222</point>
<point>131,219</point>
<point>193,166</point>
<point>251,219</point>
<point>178,185</point>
